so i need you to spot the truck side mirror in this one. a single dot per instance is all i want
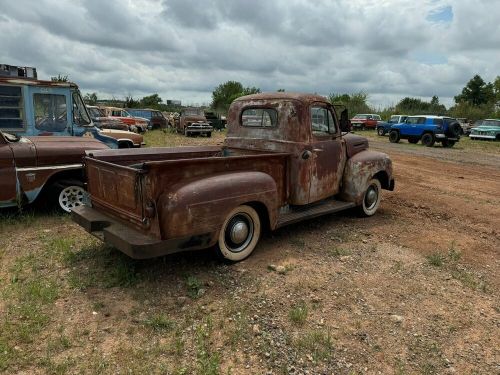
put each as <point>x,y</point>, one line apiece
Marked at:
<point>345,123</point>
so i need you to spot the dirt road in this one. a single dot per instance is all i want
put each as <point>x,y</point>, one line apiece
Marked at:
<point>413,290</point>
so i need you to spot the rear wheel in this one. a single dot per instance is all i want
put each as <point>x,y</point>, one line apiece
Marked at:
<point>239,234</point>
<point>394,136</point>
<point>381,131</point>
<point>371,198</point>
<point>448,144</point>
<point>68,195</point>
<point>428,139</point>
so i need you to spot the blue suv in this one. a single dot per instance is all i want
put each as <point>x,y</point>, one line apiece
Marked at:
<point>428,129</point>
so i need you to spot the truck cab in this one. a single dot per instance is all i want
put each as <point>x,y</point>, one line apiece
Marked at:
<point>30,107</point>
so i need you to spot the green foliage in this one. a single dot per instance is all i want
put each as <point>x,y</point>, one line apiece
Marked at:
<point>355,103</point>
<point>477,92</point>
<point>90,98</point>
<point>298,313</point>
<point>60,78</point>
<point>415,106</point>
<point>225,93</point>
<point>472,112</point>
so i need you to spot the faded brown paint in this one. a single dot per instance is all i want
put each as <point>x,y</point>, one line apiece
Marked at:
<point>26,164</point>
<point>185,193</point>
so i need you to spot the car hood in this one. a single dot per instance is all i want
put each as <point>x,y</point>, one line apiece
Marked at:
<point>63,150</point>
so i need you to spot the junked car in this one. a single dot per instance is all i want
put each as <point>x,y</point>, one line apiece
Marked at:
<point>287,157</point>
<point>384,127</point>
<point>486,129</point>
<point>43,166</point>
<point>365,121</point>
<point>192,121</point>
<point>135,124</point>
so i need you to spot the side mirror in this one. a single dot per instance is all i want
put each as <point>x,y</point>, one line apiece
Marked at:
<point>345,123</point>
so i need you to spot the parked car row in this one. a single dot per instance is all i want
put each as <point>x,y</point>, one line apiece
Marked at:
<point>428,129</point>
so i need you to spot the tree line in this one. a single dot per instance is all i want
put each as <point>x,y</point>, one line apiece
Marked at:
<point>477,100</point>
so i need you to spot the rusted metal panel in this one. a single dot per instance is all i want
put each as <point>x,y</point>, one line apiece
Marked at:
<point>360,169</point>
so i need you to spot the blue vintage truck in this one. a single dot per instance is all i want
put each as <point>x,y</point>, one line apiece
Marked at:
<point>31,107</point>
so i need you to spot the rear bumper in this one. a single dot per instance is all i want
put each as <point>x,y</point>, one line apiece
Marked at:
<point>130,241</point>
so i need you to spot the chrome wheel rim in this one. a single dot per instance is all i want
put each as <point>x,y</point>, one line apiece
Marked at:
<point>71,197</point>
<point>371,197</point>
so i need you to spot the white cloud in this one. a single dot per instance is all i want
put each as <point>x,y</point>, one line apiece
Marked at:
<point>183,49</point>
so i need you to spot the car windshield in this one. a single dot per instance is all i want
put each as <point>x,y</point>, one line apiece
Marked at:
<point>394,119</point>
<point>490,123</point>
<point>94,112</point>
<point>361,117</point>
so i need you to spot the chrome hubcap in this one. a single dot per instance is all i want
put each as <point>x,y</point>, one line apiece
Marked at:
<point>371,197</point>
<point>239,232</point>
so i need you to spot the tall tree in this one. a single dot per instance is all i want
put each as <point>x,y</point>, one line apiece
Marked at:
<point>225,93</point>
<point>151,101</point>
<point>476,92</point>
<point>90,98</point>
<point>355,103</point>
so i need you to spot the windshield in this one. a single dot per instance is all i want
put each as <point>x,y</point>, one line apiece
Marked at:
<point>394,119</point>
<point>362,117</point>
<point>491,123</point>
<point>80,114</point>
<point>94,112</point>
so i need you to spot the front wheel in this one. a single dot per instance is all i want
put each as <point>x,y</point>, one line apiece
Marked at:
<point>371,198</point>
<point>239,234</point>
<point>394,136</point>
<point>381,131</point>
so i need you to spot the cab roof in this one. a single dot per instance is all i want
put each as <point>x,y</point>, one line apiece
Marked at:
<point>35,82</point>
<point>302,97</point>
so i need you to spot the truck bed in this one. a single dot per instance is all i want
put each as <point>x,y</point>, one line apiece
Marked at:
<point>124,183</point>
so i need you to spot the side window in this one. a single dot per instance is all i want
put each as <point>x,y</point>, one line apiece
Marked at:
<point>438,121</point>
<point>80,115</point>
<point>319,121</point>
<point>421,120</point>
<point>11,108</point>
<point>259,117</point>
<point>50,112</point>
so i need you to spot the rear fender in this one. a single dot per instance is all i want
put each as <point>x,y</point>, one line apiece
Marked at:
<point>360,169</point>
<point>201,206</point>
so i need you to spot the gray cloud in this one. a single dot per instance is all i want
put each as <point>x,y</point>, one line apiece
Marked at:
<point>184,48</point>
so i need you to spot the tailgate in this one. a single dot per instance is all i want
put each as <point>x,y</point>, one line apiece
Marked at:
<point>116,188</point>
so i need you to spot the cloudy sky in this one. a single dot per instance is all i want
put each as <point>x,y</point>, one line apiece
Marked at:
<point>182,49</point>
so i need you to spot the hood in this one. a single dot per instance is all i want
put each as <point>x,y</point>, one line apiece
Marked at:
<point>123,134</point>
<point>63,150</point>
<point>354,144</point>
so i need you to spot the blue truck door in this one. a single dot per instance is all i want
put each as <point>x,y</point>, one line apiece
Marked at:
<point>49,111</point>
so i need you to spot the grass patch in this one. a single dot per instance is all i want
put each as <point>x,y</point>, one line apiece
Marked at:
<point>208,361</point>
<point>338,252</point>
<point>193,285</point>
<point>97,265</point>
<point>159,322</point>
<point>318,344</point>
<point>298,313</point>
<point>436,259</point>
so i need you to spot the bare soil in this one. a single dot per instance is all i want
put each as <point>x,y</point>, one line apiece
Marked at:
<point>412,290</point>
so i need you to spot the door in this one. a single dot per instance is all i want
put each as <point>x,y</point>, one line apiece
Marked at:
<point>49,110</point>
<point>8,181</point>
<point>328,154</point>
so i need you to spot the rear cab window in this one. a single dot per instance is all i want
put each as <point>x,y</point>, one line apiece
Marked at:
<point>259,117</point>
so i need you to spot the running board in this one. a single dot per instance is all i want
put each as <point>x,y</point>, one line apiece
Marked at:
<point>309,212</point>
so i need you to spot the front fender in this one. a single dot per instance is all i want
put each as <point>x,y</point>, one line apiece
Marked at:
<point>201,206</point>
<point>360,169</point>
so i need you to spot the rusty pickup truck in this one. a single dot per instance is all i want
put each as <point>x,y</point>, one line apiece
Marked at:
<point>287,157</point>
<point>43,166</point>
